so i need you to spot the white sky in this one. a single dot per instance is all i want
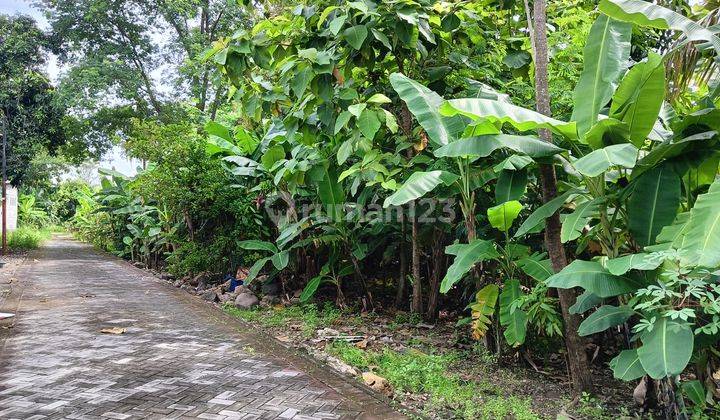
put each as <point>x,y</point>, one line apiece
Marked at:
<point>115,159</point>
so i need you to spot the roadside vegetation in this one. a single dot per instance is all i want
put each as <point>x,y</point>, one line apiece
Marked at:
<point>451,198</point>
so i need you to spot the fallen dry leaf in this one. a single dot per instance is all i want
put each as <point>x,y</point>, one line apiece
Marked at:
<point>362,344</point>
<point>113,330</point>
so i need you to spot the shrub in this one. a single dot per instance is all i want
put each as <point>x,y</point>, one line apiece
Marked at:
<point>25,238</point>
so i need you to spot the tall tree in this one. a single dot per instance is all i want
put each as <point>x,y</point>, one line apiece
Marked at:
<point>137,59</point>
<point>577,359</point>
<point>28,103</point>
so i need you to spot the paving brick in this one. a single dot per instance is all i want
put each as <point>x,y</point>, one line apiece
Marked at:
<point>177,359</point>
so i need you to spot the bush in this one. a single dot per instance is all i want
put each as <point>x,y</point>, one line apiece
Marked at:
<point>25,238</point>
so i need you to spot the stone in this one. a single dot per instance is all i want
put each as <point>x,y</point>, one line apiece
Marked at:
<point>210,296</point>
<point>200,278</point>
<point>378,383</point>
<point>341,366</point>
<point>246,301</point>
<point>240,289</point>
<point>227,297</point>
<point>138,264</point>
<point>167,276</point>
<point>178,283</point>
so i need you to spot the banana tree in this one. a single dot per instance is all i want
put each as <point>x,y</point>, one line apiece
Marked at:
<point>641,172</point>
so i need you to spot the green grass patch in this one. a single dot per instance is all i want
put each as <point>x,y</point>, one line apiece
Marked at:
<point>310,316</point>
<point>25,238</point>
<point>417,372</point>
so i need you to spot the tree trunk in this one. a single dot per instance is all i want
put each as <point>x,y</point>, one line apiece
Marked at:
<point>400,292</point>
<point>438,268</point>
<point>417,306</point>
<point>577,358</point>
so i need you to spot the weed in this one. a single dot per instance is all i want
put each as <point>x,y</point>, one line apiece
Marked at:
<point>351,355</point>
<point>589,407</point>
<point>418,372</point>
<point>249,315</point>
<point>25,238</point>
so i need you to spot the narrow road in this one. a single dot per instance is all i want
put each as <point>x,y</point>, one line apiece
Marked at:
<point>179,357</point>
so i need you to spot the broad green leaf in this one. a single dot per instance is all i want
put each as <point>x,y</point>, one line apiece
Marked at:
<point>501,217</point>
<point>324,15</point>
<point>355,35</point>
<point>379,98</point>
<point>592,276</point>
<point>522,119</point>
<point>510,185</point>
<point>606,132</point>
<point>605,59</point>
<point>670,233</point>
<point>337,24</point>
<point>390,121</point>
<point>357,109</point>
<point>419,184</point>
<point>699,242</point>
<point>584,302</point>
<point>344,153</point>
<point>669,150</point>
<point>342,121</point>
<point>301,81</point>
<point>281,259</point>
<point>369,123</point>
<point>466,256</point>
<point>666,349</point>
<point>219,130</point>
<point>256,245</point>
<point>310,289</point>
<point>538,269</point>
<point>514,321</point>
<point>543,212</point>
<point>599,161</point>
<point>574,223</point>
<point>484,145</point>
<point>423,103</point>
<point>626,365</point>
<point>255,269</point>
<point>382,38</point>
<point>642,261</point>
<point>695,391</point>
<point>651,15</point>
<point>653,204</point>
<point>331,194</point>
<point>605,317</point>
<point>513,162</point>
<point>272,155</point>
<point>638,99</point>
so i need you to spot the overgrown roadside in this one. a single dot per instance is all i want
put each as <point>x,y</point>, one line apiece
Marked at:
<point>430,369</point>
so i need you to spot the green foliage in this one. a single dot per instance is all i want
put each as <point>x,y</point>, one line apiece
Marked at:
<point>27,237</point>
<point>430,374</point>
<point>29,213</point>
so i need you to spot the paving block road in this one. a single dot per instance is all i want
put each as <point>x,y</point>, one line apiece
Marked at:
<point>180,357</point>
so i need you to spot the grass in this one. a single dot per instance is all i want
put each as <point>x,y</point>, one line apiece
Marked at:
<point>417,372</point>
<point>26,237</point>
<point>310,316</point>
<point>409,371</point>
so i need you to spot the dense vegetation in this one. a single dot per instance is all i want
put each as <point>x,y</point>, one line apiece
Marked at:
<point>548,175</point>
